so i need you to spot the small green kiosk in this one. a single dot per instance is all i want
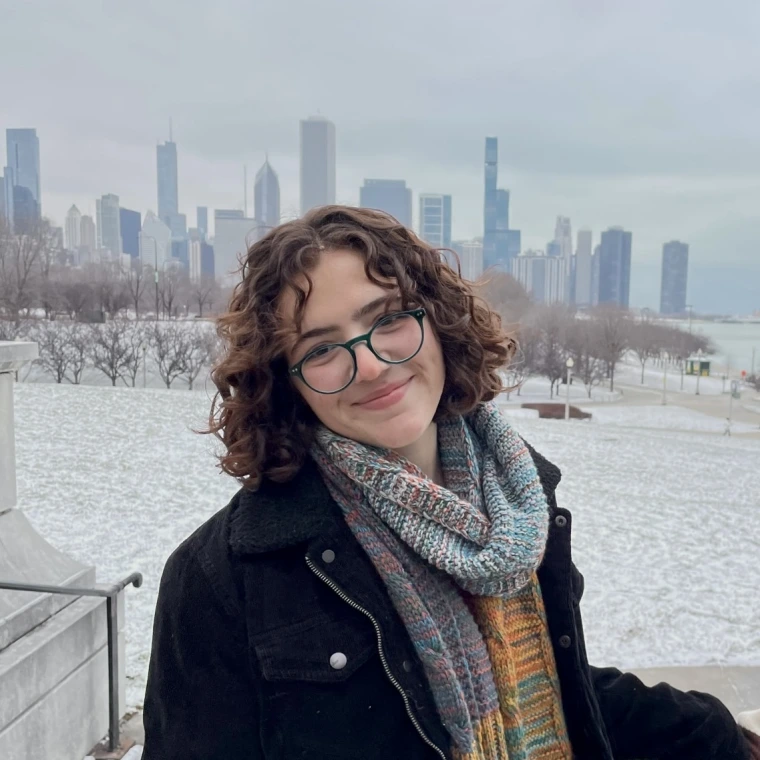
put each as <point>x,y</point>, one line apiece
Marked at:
<point>698,365</point>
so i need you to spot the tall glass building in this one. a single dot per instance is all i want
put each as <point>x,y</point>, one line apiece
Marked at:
<point>168,194</point>
<point>23,166</point>
<point>615,267</point>
<point>675,275</point>
<point>266,196</point>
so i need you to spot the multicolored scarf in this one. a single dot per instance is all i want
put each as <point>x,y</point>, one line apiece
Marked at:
<point>460,566</point>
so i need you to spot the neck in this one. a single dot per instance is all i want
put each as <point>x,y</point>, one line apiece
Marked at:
<point>424,453</point>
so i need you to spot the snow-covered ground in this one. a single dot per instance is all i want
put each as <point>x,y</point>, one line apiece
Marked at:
<point>666,522</point>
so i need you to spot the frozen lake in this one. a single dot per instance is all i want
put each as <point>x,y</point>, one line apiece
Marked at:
<point>666,521</point>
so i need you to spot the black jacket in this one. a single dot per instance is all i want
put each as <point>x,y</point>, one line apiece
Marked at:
<point>255,603</point>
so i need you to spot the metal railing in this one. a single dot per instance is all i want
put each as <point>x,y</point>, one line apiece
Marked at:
<point>110,592</point>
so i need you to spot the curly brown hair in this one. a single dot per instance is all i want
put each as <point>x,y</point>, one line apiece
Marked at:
<point>261,419</point>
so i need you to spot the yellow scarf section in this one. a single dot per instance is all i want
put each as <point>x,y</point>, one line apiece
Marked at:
<point>530,724</point>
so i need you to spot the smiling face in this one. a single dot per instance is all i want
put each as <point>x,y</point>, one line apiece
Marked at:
<point>387,405</point>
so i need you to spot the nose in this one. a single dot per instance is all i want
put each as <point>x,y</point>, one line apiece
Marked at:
<point>368,366</point>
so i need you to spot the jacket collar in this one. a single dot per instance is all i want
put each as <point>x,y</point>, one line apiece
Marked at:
<point>282,515</point>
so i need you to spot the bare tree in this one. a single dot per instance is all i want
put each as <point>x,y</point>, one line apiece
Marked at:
<point>201,351</point>
<point>55,355</point>
<point>614,324</point>
<point>552,322</point>
<point>78,344</point>
<point>138,339</point>
<point>172,288</point>
<point>526,360</point>
<point>110,289</point>
<point>169,348</point>
<point>204,292</point>
<point>137,280</point>
<point>111,348</point>
<point>582,344</point>
<point>644,341</point>
<point>505,295</point>
<point>20,255</point>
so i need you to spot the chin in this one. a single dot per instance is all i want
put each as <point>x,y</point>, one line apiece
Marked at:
<point>397,433</point>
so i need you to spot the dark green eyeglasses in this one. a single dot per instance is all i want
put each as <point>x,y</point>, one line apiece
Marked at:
<point>394,339</point>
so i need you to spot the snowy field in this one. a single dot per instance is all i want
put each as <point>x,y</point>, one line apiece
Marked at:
<point>666,522</point>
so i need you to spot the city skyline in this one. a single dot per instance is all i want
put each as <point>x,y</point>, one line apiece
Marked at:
<point>646,131</point>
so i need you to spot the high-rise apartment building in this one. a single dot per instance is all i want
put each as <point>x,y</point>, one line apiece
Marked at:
<point>22,176</point>
<point>109,224</point>
<point>389,195</point>
<point>543,277</point>
<point>435,219</point>
<point>615,267</point>
<point>470,254</point>
<point>317,163</point>
<point>675,275</point>
<point>583,274</point>
<point>72,229</point>
<point>266,196</point>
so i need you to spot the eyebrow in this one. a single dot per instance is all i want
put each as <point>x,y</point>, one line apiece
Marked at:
<point>360,313</point>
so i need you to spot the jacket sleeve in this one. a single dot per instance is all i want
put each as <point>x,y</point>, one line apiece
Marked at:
<point>200,702</point>
<point>663,723</point>
<point>660,722</point>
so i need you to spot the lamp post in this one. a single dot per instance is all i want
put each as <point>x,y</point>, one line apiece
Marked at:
<point>665,382</point>
<point>699,368</point>
<point>155,264</point>
<point>144,352</point>
<point>569,364</point>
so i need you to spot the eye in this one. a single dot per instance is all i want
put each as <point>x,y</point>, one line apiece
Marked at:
<point>321,353</point>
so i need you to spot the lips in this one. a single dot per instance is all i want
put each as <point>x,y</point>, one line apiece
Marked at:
<point>380,393</point>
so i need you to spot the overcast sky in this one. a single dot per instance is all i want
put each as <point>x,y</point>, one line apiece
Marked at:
<point>643,114</point>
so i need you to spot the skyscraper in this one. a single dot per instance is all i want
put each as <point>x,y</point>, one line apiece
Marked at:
<point>563,239</point>
<point>470,254</point>
<point>201,219</point>
<point>317,163</point>
<point>266,196</point>
<point>155,242</point>
<point>88,236</point>
<point>675,274</point>
<point>233,234</point>
<point>542,276</point>
<point>109,224</point>
<point>435,219</point>
<point>23,149</point>
<point>498,243</point>
<point>168,194</point>
<point>490,213</point>
<point>389,195</point>
<point>615,267</point>
<point>129,225</point>
<point>73,229</point>
<point>583,268</point>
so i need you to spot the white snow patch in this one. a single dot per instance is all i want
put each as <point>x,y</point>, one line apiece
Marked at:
<point>666,527</point>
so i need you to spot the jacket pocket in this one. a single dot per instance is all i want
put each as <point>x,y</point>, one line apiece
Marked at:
<point>317,650</point>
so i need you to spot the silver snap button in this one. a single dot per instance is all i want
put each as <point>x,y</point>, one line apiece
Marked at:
<point>328,556</point>
<point>338,661</point>
<point>560,521</point>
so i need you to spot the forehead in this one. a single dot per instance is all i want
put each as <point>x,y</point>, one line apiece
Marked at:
<point>339,286</point>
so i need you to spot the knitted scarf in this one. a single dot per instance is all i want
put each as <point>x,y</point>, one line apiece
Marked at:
<point>460,567</point>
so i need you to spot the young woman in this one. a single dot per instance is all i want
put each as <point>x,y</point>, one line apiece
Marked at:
<point>394,579</point>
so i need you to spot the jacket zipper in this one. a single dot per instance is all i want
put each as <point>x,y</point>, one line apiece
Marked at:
<point>334,586</point>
